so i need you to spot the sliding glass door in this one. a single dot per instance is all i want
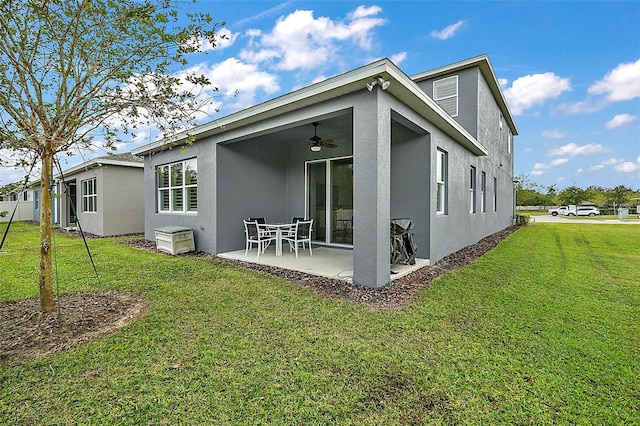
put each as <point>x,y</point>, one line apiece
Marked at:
<point>330,200</point>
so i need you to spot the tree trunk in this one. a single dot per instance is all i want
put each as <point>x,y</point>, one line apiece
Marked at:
<point>47,301</point>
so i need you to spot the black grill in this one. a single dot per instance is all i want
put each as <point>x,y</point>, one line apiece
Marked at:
<point>403,248</point>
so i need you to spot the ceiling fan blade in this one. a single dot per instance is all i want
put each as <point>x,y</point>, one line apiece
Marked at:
<point>329,143</point>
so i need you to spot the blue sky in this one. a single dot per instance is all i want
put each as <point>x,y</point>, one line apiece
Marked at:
<point>570,70</point>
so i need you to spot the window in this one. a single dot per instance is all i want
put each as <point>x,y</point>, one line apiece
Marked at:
<point>89,196</point>
<point>178,187</point>
<point>472,189</point>
<point>36,200</point>
<point>483,192</point>
<point>495,194</point>
<point>441,182</point>
<point>445,93</point>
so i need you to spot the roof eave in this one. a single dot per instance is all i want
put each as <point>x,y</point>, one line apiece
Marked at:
<point>402,87</point>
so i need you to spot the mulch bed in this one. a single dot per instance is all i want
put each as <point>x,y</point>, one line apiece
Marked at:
<point>27,333</point>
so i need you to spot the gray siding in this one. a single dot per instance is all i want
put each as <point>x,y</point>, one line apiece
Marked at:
<point>253,171</point>
<point>122,200</point>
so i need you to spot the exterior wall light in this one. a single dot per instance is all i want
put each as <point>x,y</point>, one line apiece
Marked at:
<point>378,81</point>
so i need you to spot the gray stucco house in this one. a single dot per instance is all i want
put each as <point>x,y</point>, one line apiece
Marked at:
<point>436,147</point>
<point>104,194</point>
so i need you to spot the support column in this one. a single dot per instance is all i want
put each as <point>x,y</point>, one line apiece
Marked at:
<point>372,189</point>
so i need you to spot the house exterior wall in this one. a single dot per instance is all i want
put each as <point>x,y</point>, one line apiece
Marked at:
<point>459,227</point>
<point>467,97</point>
<point>122,204</point>
<point>247,171</point>
<point>252,177</point>
<point>91,222</point>
<point>203,222</point>
<point>410,182</point>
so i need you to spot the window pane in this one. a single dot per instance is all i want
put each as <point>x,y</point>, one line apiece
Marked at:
<point>164,200</point>
<point>176,175</point>
<point>163,176</point>
<point>192,199</point>
<point>178,199</point>
<point>191,172</point>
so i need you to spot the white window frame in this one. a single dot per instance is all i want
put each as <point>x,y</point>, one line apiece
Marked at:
<point>495,194</point>
<point>89,191</point>
<point>472,189</point>
<point>441,84</point>
<point>177,190</point>
<point>483,192</point>
<point>441,181</point>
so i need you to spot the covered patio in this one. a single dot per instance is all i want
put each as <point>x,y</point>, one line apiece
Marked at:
<point>329,262</point>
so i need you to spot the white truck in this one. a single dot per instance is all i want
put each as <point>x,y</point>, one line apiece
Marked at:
<point>569,210</point>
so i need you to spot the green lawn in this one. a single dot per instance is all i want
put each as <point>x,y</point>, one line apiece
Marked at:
<point>544,329</point>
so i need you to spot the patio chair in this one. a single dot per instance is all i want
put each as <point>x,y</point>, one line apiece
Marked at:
<point>301,234</point>
<point>256,234</point>
<point>260,220</point>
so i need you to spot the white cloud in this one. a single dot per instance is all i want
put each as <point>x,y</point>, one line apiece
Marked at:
<point>620,84</point>
<point>301,41</point>
<point>534,89</point>
<point>364,12</point>
<point>234,76</point>
<point>572,149</point>
<point>628,166</point>
<point>620,120</point>
<point>540,168</point>
<point>447,32</point>
<point>554,134</point>
<point>503,81</point>
<point>398,57</point>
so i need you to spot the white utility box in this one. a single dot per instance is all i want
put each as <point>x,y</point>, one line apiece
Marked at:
<point>175,239</point>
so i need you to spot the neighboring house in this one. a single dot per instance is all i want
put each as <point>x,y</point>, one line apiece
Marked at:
<point>16,205</point>
<point>436,148</point>
<point>104,194</point>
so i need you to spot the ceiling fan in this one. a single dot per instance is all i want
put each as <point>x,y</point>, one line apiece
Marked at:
<point>317,142</point>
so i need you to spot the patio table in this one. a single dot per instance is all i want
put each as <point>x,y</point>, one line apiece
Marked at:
<point>278,227</point>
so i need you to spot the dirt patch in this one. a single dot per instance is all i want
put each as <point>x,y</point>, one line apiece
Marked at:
<point>27,333</point>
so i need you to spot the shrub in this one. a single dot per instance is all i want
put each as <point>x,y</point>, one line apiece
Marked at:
<point>522,219</point>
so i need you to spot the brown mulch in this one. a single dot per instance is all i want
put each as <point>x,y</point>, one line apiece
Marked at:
<point>27,334</point>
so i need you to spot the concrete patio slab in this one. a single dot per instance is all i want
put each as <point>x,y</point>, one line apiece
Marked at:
<point>335,263</point>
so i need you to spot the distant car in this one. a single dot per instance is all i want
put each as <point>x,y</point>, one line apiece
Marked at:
<point>587,211</point>
<point>569,210</point>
